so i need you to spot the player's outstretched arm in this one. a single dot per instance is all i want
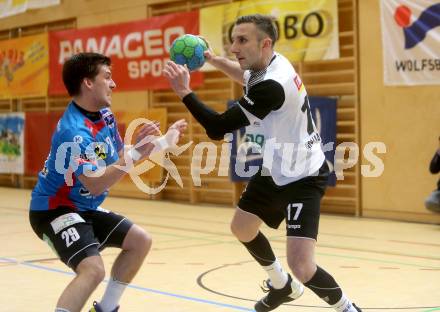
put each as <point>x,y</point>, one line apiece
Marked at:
<point>215,124</point>
<point>147,143</point>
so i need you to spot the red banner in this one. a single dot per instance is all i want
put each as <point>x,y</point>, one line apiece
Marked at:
<point>38,132</point>
<point>138,50</point>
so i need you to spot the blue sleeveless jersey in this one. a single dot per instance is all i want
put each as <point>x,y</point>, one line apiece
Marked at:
<point>79,145</point>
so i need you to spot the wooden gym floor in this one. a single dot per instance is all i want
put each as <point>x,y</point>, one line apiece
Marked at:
<point>197,265</point>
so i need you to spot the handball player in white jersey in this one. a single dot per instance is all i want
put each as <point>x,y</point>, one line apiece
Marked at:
<point>276,113</point>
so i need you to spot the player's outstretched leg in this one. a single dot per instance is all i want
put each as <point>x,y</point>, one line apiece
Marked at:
<point>90,272</point>
<point>326,288</point>
<point>135,248</point>
<point>280,286</point>
<point>301,259</point>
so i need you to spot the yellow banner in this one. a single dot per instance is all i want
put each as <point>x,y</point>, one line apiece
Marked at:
<point>24,70</point>
<point>308,29</point>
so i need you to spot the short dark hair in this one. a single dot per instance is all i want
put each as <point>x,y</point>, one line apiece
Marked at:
<point>264,23</point>
<point>80,66</point>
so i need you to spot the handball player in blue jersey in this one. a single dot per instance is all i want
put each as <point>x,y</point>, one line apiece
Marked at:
<point>86,158</point>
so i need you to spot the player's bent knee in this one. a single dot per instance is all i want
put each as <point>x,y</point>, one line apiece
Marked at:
<point>98,274</point>
<point>243,233</point>
<point>303,271</point>
<point>239,232</point>
<point>138,239</point>
<point>301,274</point>
<point>235,230</point>
<point>92,268</point>
<point>145,241</point>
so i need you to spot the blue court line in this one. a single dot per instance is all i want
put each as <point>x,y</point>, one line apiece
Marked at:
<point>144,289</point>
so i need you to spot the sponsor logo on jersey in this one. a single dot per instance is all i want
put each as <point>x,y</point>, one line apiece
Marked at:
<point>298,83</point>
<point>108,117</point>
<point>65,221</point>
<point>248,100</point>
<point>316,138</point>
<point>78,139</point>
<point>100,151</point>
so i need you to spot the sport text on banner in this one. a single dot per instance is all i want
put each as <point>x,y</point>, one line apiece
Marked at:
<point>138,50</point>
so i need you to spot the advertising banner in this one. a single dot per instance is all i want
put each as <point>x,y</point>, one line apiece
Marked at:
<point>11,143</point>
<point>138,50</point>
<point>39,129</point>
<point>411,42</point>
<point>13,7</point>
<point>308,29</point>
<point>24,67</point>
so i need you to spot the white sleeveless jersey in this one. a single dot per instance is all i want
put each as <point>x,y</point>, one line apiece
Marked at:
<point>291,146</point>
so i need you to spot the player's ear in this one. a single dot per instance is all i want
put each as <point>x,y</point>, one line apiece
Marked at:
<point>267,42</point>
<point>88,83</point>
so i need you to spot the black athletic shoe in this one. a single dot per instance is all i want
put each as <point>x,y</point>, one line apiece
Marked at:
<point>276,297</point>
<point>97,308</point>
<point>358,309</point>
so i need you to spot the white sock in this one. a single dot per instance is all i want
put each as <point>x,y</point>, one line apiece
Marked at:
<point>344,305</point>
<point>61,310</point>
<point>112,295</point>
<point>278,277</point>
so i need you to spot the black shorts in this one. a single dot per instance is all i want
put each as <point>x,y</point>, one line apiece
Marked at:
<point>298,202</point>
<point>75,236</point>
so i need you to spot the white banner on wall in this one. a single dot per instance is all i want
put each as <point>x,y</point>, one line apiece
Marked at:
<point>411,41</point>
<point>38,4</point>
<point>14,7</point>
<point>11,143</point>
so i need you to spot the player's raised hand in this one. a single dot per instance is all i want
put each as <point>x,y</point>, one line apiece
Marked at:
<point>178,77</point>
<point>176,131</point>
<point>152,128</point>
<point>149,143</point>
<point>170,139</point>
<point>145,136</point>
